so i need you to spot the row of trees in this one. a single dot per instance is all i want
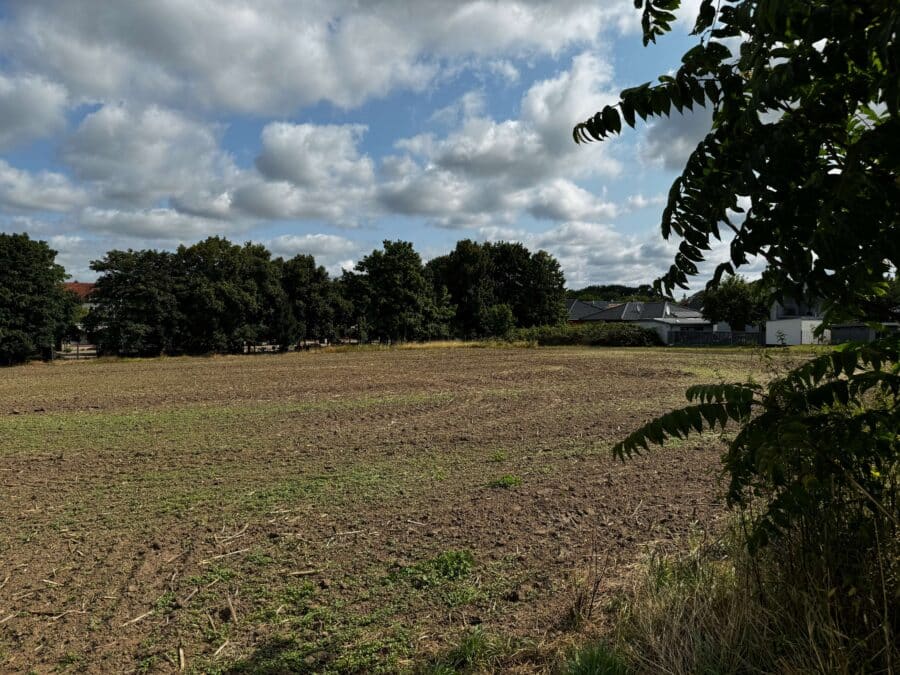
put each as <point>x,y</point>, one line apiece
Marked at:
<point>216,296</point>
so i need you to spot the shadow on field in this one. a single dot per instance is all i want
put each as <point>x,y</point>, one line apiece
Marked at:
<point>280,656</point>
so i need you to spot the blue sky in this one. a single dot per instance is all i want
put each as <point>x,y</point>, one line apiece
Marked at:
<point>326,127</point>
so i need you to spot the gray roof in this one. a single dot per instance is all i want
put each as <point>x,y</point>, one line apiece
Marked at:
<point>631,311</point>
<point>583,310</point>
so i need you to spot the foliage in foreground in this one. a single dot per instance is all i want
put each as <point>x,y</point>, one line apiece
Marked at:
<point>801,168</point>
<point>804,144</point>
<point>815,469</point>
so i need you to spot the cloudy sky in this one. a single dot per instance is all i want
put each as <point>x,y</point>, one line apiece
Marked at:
<point>325,127</point>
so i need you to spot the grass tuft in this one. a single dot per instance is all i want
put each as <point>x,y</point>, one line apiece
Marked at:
<point>508,481</point>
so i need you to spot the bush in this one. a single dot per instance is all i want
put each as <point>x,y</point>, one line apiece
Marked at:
<point>815,471</point>
<point>589,334</point>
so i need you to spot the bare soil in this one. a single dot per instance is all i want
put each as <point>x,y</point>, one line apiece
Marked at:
<point>335,512</point>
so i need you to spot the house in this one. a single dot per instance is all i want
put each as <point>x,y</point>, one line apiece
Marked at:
<point>794,322</point>
<point>666,318</point>
<point>581,311</point>
<point>82,290</point>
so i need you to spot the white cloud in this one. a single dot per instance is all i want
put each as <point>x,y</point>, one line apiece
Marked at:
<point>150,224</point>
<point>30,107</point>
<point>276,56</point>
<point>42,191</point>
<point>314,156</point>
<point>487,172</point>
<point>563,200</point>
<point>591,253</point>
<point>138,156</point>
<point>639,201</point>
<point>333,252</point>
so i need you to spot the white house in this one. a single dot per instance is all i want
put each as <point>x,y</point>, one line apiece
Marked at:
<point>794,322</point>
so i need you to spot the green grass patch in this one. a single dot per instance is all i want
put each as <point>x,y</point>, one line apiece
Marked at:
<point>506,482</point>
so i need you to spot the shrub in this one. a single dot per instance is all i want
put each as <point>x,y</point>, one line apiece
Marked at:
<point>815,470</point>
<point>507,481</point>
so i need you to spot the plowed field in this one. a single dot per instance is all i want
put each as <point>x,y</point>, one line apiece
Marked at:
<point>356,511</point>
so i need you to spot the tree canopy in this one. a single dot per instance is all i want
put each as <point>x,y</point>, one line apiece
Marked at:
<point>617,292</point>
<point>801,163</point>
<point>487,283</point>
<point>35,309</point>
<point>217,296</point>
<point>736,302</point>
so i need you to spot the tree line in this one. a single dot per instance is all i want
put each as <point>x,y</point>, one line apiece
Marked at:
<point>216,296</point>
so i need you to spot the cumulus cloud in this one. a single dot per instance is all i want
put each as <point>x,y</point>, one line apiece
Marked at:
<point>42,191</point>
<point>138,156</point>
<point>219,53</point>
<point>639,201</point>
<point>563,200</point>
<point>150,224</point>
<point>312,156</point>
<point>30,107</point>
<point>487,172</point>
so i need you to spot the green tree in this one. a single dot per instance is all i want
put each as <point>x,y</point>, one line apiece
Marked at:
<point>735,302</point>
<point>466,272</point>
<point>394,295</point>
<point>533,286</point>
<point>35,309</point>
<point>135,303</point>
<point>805,146</point>
<point>231,297</point>
<point>616,293</point>
<point>498,321</point>
<point>311,297</point>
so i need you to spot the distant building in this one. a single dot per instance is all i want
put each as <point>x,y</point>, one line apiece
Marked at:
<point>81,289</point>
<point>794,322</point>
<point>663,316</point>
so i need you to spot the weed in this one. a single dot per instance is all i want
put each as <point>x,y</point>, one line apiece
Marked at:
<point>477,650</point>
<point>70,659</point>
<point>166,602</point>
<point>597,659</point>
<point>465,594</point>
<point>498,456</point>
<point>448,566</point>
<point>259,558</point>
<point>507,481</point>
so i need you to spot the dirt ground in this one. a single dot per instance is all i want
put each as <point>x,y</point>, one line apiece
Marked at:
<point>358,511</point>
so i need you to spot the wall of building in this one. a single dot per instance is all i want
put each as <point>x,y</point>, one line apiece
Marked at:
<point>795,332</point>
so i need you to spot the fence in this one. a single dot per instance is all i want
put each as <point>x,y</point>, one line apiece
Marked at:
<point>711,338</point>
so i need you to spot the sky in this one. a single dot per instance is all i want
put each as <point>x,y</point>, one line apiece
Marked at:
<point>326,127</point>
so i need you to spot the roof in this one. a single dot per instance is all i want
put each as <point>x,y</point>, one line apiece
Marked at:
<point>82,289</point>
<point>583,310</point>
<point>687,321</point>
<point>639,311</point>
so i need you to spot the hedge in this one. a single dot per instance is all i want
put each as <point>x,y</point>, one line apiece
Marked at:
<point>591,334</point>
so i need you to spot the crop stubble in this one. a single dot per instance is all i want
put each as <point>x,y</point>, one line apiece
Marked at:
<point>210,512</point>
